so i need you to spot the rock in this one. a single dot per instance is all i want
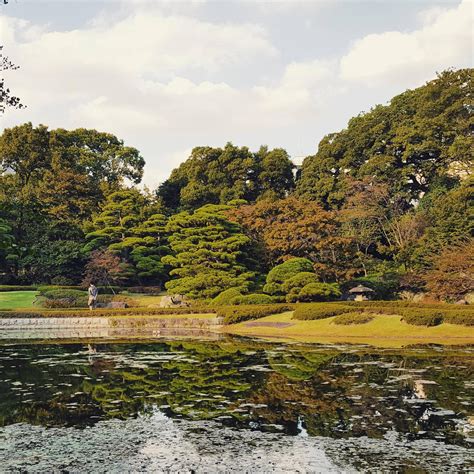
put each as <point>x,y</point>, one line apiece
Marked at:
<point>117,305</point>
<point>462,301</point>
<point>174,301</point>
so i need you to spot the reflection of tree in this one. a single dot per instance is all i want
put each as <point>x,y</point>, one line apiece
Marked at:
<point>245,384</point>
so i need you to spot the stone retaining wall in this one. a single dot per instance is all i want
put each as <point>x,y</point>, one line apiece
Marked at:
<point>52,328</point>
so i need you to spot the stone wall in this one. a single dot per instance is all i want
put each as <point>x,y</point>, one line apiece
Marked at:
<point>52,328</point>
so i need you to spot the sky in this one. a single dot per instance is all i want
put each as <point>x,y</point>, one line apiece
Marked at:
<point>166,76</point>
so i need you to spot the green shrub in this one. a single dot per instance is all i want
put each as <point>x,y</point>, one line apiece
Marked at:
<point>145,290</point>
<point>46,288</point>
<point>4,288</point>
<point>288,269</point>
<point>424,319</point>
<point>104,313</point>
<point>463,318</point>
<point>273,289</point>
<point>299,281</point>
<point>353,318</point>
<point>410,304</point>
<point>252,299</point>
<point>237,314</point>
<point>225,297</point>
<point>319,292</point>
<point>63,293</point>
<point>62,281</point>
<point>313,311</point>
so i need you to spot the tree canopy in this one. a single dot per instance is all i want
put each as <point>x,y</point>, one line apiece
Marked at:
<point>420,137</point>
<point>221,175</point>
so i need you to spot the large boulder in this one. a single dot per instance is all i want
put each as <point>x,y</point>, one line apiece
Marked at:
<point>174,301</point>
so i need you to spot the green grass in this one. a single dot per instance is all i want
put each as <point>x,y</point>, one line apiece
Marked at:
<point>17,299</point>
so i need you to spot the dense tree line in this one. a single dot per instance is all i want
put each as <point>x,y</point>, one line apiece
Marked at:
<point>386,201</point>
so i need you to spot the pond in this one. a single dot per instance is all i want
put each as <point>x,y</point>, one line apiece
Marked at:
<point>234,405</point>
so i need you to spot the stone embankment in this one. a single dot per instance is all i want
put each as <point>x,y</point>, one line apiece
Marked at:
<point>58,328</point>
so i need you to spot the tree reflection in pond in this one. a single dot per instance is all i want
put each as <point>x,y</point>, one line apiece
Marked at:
<point>328,391</point>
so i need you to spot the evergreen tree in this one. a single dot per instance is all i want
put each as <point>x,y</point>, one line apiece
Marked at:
<point>210,253</point>
<point>125,228</point>
<point>220,175</point>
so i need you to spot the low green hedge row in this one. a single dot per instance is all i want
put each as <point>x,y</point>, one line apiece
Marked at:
<point>4,288</point>
<point>255,298</point>
<point>461,317</point>
<point>420,316</point>
<point>424,319</point>
<point>353,318</point>
<point>104,313</point>
<point>237,314</point>
<point>408,304</point>
<point>105,290</point>
<point>313,311</point>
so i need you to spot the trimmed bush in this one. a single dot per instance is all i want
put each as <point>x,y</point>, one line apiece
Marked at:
<point>309,312</point>
<point>299,281</point>
<point>423,319</point>
<point>288,269</point>
<point>145,290</point>
<point>45,288</point>
<point>410,304</point>
<point>237,314</point>
<point>104,313</point>
<point>4,288</point>
<point>463,318</point>
<point>225,297</point>
<point>353,318</point>
<point>318,292</point>
<point>273,289</point>
<point>252,299</point>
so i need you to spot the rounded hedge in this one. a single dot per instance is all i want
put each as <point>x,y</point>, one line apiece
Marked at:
<point>255,298</point>
<point>226,296</point>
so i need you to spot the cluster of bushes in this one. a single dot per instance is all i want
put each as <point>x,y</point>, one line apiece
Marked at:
<point>409,304</point>
<point>104,313</point>
<point>415,314</point>
<point>237,314</point>
<point>313,311</point>
<point>105,290</point>
<point>51,297</point>
<point>146,290</point>
<point>295,281</point>
<point>353,318</point>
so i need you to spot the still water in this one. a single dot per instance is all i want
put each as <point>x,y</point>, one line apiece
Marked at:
<point>235,405</point>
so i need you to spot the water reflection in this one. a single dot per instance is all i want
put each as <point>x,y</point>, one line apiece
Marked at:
<point>335,392</point>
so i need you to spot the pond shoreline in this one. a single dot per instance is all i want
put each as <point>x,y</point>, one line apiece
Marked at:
<point>277,327</point>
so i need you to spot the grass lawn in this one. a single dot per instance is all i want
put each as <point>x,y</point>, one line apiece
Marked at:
<point>144,300</point>
<point>17,299</point>
<point>382,331</point>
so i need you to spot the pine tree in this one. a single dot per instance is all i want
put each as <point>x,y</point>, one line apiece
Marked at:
<point>211,254</point>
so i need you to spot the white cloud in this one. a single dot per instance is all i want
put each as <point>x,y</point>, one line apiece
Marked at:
<point>444,40</point>
<point>166,83</point>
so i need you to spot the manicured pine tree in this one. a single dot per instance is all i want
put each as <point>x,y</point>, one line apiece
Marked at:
<point>124,228</point>
<point>210,253</point>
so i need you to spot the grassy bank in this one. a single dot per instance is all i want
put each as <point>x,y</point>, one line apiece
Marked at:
<point>17,299</point>
<point>382,331</point>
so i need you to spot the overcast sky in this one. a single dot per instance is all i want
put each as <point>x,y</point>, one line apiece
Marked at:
<point>168,76</point>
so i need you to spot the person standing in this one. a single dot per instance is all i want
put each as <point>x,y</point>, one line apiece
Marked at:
<point>93,293</point>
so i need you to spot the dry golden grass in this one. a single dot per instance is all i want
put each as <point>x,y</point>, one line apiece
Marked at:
<point>382,331</point>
